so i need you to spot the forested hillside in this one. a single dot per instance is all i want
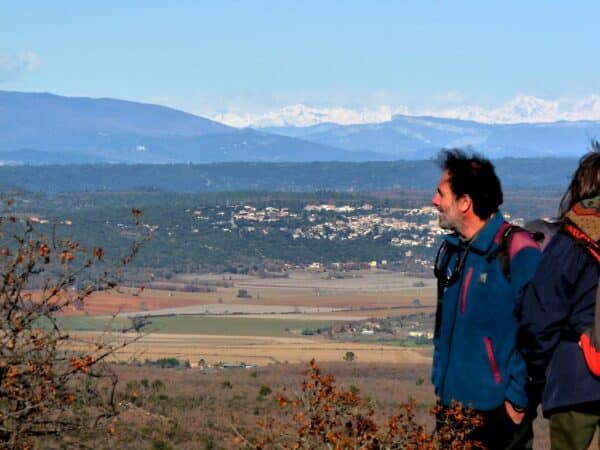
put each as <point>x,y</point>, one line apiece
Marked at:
<point>300,177</point>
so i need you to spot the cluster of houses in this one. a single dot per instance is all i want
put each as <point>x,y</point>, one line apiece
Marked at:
<point>409,229</point>
<point>40,220</point>
<point>373,226</point>
<point>407,326</point>
<point>415,227</point>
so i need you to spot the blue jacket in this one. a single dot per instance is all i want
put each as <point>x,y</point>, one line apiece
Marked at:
<point>475,361</point>
<point>557,306</point>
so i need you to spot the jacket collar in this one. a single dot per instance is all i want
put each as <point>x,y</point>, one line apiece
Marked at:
<point>485,238</point>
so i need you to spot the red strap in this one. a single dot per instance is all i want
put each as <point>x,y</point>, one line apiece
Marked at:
<point>590,245</point>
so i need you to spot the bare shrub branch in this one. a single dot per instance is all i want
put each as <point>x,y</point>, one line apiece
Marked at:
<point>51,382</point>
<point>323,416</point>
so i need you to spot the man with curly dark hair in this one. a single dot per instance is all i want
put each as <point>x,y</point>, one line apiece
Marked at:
<point>475,361</point>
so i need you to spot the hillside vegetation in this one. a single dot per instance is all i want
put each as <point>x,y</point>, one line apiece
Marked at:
<point>532,173</point>
<point>261,232</point>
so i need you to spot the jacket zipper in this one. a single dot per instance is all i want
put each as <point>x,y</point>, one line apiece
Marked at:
<point>492,359</point>
<point>444,373</point>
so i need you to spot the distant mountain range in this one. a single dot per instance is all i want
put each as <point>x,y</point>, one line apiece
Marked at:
<point>40,128</point>
<point>117,131</point>
<point>422,137</point>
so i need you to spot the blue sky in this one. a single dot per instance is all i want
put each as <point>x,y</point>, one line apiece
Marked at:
<point>248,57</point>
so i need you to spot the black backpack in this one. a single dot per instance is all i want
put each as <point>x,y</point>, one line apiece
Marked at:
<point>540,230</point>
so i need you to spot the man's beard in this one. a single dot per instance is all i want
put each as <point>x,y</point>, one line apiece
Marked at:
<point>445,223</point>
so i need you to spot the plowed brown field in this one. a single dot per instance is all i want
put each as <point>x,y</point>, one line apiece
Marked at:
<point>304,295</point>
<point>102,303</point>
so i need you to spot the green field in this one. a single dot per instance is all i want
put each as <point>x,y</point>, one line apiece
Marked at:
<point>223,326</point>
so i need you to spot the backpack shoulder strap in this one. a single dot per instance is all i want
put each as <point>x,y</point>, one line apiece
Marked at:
<point>510,240</point>
<point>503,239</point>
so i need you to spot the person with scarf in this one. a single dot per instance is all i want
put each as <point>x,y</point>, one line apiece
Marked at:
<point>558,307</point>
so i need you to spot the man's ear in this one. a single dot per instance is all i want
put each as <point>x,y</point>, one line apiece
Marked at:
<point>465,203</point>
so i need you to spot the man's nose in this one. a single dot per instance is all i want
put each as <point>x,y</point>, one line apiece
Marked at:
<point>435,200</point>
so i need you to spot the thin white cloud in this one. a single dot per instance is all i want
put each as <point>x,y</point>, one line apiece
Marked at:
<point>521,108</point>
<point>15,65</point>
